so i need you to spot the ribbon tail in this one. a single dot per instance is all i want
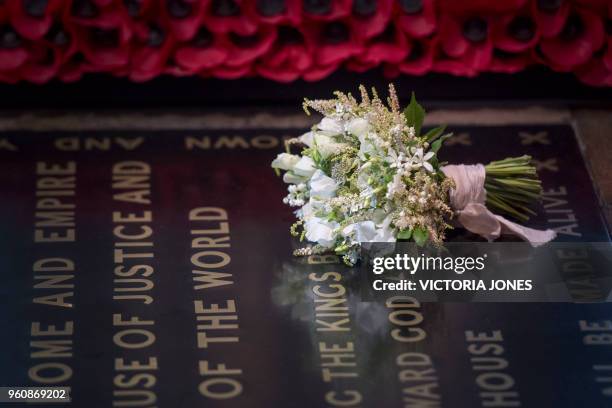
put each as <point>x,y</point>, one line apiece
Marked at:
<point>534,236</point>
<point>478,219</point>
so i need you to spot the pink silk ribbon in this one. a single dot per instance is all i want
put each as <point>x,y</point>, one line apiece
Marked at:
<point>468,201</point>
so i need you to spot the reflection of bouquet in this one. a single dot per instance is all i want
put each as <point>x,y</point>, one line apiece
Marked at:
<point>293,290</point>
<point>368,174</point>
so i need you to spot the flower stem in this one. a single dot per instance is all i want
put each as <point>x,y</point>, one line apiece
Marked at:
<point>512,186</point>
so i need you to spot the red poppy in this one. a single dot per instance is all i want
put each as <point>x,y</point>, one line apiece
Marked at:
<point>416,17</point>
<point>480,6</point>
<point>205,51</point>
<point>598,6</point>
<point>73,69</point>
<point>102,34</point>
<point>370,17</point>
<point>326,10</point>
<point>48,55</point>
<point>274,11</point>
<point>582,35</point>
<point>420,59</point>
<point>391,47</point>
<point>184,17</point>
<point>515,32</point>
<point>288,58</point>
<point>152,45</point>
<point>598,71</point>
<point>245,49</point>
<point>595,73</point>
<point>550,15</point>
<point>136,9</point>
<point>224,16</point>
<point>33,18</point>
<point>289,39</point>
<point>13,49</point>
<point>453,67</point>
<point>509,62</point>
<point>44,63</point>
<point>334,42</point>
<point>465,43</point>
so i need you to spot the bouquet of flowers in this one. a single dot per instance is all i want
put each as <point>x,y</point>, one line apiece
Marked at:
<point>368,173</point>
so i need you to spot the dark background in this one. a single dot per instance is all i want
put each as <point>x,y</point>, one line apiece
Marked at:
<point>97,91</point>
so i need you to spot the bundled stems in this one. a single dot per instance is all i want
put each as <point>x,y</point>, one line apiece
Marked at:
<point>512,186</point>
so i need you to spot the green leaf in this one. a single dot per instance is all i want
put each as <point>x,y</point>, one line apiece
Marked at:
<point>435,146</point>
<point>434,133</point>
<point>415,114</point>
<point>434,162</point>
<point>420,236</point>
<point>405,234</point>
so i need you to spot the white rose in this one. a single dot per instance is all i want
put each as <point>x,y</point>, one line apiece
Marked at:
<point>321,231</point>
<point>304,167</point>
<point>322,185</point>
<point>285,161</point>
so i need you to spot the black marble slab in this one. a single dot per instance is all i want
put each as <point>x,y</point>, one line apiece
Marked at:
<point>151,308</point>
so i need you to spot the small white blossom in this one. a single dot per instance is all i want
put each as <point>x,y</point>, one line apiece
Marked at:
<point>396,185</point>
<point>340,109</point>
<point>297,195</point>
<point>411,132</point>
<point>396,130</point>
<point>420,160</point>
